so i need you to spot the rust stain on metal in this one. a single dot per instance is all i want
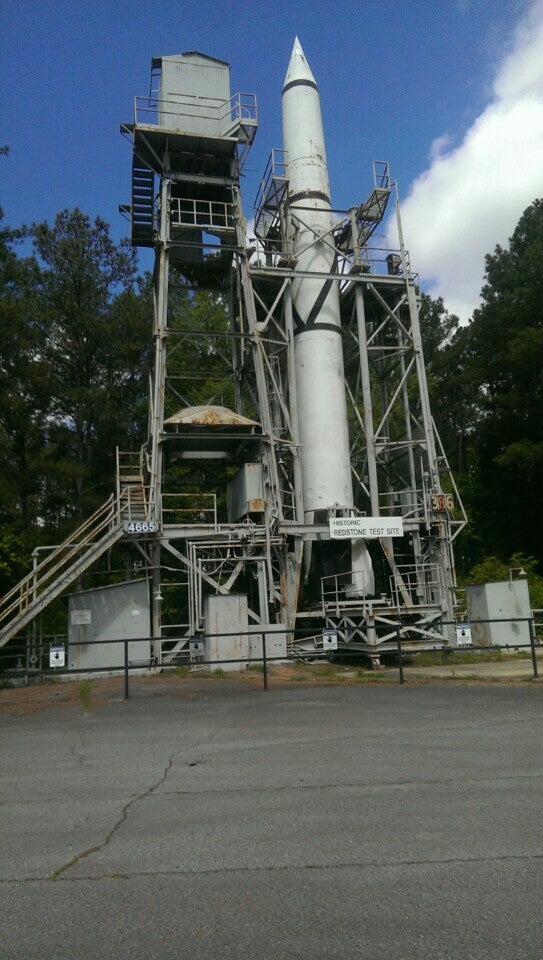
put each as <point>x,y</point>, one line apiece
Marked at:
<point>211,415</point>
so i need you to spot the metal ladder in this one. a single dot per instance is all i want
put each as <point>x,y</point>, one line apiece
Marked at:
<point>131,490</point>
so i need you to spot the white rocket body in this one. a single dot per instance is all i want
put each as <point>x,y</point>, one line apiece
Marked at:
<point>322,407</point>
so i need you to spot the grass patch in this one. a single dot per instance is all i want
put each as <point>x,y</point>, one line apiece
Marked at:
<point>327,672</point>
<point>368,676</point>
<point>219,672</point>
<point>182,671</point>
<point>438,660</point>
<point>255,667</point>
<point>85,694</point>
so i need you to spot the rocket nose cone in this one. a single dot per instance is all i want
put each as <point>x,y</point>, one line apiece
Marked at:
<point>298,68</point>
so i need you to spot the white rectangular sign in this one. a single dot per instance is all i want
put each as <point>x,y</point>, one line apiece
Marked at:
<point>57,656</point>
<point>80,616</point>
<point>463,635</point>
<point>329,640</point>
<point>367,528</point>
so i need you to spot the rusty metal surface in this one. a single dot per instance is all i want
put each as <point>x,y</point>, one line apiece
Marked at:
<point>212,415</point>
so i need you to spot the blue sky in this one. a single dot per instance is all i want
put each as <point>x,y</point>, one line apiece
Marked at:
<point>400,80</point>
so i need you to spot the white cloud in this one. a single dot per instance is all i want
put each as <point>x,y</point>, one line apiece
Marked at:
<point>470,197</point>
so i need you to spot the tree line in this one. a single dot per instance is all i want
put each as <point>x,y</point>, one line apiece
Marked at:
<point>74,368</point>
<point>75,358</point>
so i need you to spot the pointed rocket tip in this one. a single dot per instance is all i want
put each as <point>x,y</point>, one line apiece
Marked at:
<point>298,67</point>
<point>297,50</point>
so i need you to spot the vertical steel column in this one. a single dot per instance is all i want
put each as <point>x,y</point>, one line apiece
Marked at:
<point>162,268</point>
<point>160,333</point>
<point>443,540</point>
<point>293,406</point>
<point>366,398</point>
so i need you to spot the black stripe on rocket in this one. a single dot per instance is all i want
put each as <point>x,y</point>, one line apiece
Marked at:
<point>302,82</point>
<point>311,322</point>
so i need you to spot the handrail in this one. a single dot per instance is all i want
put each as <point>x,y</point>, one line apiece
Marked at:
<point>28,589</point>
<point>241,108</point>
<point>190,212</point>
<point>202,504</point>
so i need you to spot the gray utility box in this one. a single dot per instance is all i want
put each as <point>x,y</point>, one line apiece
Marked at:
<point>194,92</point>
<point>507,601</point>
<point>245,493</point>
<point>276,640</point>
<point>119,612</point>
<point>226,615</point>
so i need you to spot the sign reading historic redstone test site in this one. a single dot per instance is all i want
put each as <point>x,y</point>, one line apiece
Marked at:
<point>367,528</point>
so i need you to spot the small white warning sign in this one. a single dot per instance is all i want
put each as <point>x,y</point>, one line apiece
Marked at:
<point>463,635</point>
<point>329,640</point>
<point>57,656</point>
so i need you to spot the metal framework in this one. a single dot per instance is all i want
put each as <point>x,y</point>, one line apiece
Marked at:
<point>224,417</point>
<point>246,338</point>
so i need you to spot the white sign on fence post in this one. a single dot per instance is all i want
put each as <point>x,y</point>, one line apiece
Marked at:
<point>329,640</point>
<point>57,656</point>
<point>463,635</point>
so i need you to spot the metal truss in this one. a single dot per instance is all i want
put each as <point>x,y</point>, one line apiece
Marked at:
<point>224,333</point>
<point>398,464</point>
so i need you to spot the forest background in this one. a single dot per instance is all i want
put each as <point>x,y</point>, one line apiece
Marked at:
<point>75,360</point>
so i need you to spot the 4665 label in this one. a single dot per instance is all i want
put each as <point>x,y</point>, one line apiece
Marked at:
<point>140,526</point>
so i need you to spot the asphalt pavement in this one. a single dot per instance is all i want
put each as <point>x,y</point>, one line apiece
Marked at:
<point>220,821</point>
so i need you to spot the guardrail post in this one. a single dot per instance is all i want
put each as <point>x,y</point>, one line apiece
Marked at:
<point>126,690</point>
<point>400,654</point>
<point>264,662</point>
<point>533,650</point>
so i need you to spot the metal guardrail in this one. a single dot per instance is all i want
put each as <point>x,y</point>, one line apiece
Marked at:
<point>419,581</point>
<point>240,111</point>
<point>208,214</point>
<point>127,666</point>
<point>17,601</point>
<point>185,508</point>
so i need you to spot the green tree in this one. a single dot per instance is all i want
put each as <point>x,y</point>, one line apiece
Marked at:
<point>22,397</point>
<point>506,363</point>
<point>94,321</point>
<point>454,394</point>
<point>492,570</point>
<point>199,351</point>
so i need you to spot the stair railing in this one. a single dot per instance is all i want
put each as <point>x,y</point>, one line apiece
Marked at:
<point>18,599</point>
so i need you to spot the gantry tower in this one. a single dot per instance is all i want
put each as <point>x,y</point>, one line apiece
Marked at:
<point>215,502</point>
<point>190,139</point>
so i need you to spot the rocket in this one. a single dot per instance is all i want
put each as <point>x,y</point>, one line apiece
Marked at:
<point>318,351</point>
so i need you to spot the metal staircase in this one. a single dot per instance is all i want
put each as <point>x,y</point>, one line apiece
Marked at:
<point>142,209</point>
<point>59,569</point>
<point>71,559</point>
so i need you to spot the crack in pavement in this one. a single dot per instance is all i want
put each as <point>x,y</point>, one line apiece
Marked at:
<point>371,785</point>
<point>55,874</point>
<point>352,785</point>
<point>348,865</point>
